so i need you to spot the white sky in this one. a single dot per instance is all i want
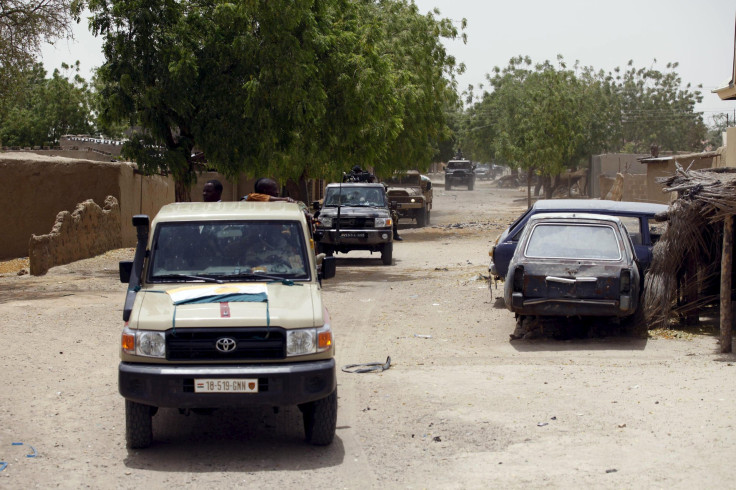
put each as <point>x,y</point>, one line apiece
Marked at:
<point>697,34</point>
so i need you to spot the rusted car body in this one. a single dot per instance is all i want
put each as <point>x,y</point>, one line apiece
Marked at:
<point>572,264</point>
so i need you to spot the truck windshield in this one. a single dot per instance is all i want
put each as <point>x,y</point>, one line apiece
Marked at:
<point>228,251</point>
<point>355,196</point>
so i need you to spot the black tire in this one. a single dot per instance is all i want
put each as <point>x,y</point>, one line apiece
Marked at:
<point>320,420</point>
<point>138,425</point>
<point>422,218</point>
<point>471,185</point>
<point>447,186</point>
<point>387,254</point>
<point>428,217</point>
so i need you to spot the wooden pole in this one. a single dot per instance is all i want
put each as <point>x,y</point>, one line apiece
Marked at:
<point>726,271</point>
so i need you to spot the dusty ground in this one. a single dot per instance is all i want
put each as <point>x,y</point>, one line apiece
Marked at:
<point>460,407</point>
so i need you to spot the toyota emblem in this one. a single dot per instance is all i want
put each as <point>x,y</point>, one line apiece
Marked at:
<point>226,344</point>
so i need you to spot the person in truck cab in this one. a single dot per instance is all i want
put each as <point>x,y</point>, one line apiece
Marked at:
<point>212,191</point>
<point>265,190</point>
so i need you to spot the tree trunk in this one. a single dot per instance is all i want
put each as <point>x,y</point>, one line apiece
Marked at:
<point>529,174</point>
<point>549,186</point>
<point>726,271</point>
<point>183,192</point>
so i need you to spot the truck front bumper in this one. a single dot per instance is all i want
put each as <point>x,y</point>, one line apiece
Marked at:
<point>161,385</point>
<point>354,238</point>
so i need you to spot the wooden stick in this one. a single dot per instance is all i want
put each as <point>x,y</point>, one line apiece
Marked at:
<point>726,271</point>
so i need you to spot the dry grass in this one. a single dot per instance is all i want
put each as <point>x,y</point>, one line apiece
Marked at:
<point>14,266</point>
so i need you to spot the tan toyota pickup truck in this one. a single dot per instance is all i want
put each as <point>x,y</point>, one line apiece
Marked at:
<point>224,309</point>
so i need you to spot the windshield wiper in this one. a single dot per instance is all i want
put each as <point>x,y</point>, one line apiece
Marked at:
<point>188,276</point>
<point>257,275</point>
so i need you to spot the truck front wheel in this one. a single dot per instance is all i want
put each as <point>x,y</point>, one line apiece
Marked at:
<point>320,419</point>
<point>138,425</point>
<point>422,218</point>
<point>387,253</point>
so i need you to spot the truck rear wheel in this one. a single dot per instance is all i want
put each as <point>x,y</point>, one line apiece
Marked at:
<point>320,419</point>
<point>387,253</point>
<point>138,425</point>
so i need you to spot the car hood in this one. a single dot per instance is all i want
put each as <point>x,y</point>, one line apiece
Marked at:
<point>295,306</point>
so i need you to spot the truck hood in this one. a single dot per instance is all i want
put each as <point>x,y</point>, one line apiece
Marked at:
<point>356,211</point>
<point>296,306</point>
<point>405,191</point>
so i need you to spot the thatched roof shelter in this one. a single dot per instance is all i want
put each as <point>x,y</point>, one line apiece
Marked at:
<point>685,273</point>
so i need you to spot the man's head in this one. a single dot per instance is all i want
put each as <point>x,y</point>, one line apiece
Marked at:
<point>212,191</point>
<point>266,186</point>
<point>357,169</point>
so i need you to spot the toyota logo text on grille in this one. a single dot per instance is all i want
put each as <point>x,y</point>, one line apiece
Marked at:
<point>226,344</point>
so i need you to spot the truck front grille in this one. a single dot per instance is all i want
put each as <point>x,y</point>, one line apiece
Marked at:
<point>200,344</point>
<point>354,222</point>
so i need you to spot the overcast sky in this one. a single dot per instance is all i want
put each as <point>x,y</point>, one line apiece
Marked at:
<point>699,35</point>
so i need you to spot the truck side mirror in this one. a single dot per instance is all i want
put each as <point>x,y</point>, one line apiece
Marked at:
<point>429,185</point>
<point>315,205</point>
<point>329,267</point>
<point>125,268</point>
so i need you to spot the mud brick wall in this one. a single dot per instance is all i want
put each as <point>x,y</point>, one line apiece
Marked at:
<point>86,232</point>
<point>625,187</point>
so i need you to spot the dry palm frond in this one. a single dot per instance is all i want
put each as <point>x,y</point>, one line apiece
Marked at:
<point>693,235</point>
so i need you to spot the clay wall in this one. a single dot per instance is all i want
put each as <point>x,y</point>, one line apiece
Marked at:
<point>33,190</point>
<point>610,164</point>
<point>86,232</point>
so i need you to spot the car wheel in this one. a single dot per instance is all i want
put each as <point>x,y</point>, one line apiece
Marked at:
<point>428,216</point>
<point>387,253</point>
<point>320,419</point>
<point>422,218</point>
<point>138,425</point>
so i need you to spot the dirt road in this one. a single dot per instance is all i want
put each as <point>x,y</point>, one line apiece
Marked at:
<point>460,407</point>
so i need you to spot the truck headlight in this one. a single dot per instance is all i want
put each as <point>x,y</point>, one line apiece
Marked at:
<point>382,222</point>
<point>303,341</point>
<point>144,343</point>
<point>326,221</point>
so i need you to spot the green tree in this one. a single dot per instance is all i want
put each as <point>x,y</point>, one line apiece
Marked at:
<point>46,108</point>
<point>24,26</point>
<point>544,118</point>
<point>280,87</point>
<point>655,108</point>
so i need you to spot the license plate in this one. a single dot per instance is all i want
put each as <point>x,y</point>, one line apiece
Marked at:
<point>353,235</point>
<point>226,386</point>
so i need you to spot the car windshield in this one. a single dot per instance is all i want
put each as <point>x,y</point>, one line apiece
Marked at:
<point>355,196</point>
<point>228,251</point>
<point>573,241</point>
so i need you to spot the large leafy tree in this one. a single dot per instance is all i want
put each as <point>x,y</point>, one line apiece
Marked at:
<point>279,87</point>
<point>24,26</point>
<point>544,118</point>
<point>46,108</point>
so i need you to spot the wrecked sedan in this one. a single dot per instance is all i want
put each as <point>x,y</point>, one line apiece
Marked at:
<point>572,264</point>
